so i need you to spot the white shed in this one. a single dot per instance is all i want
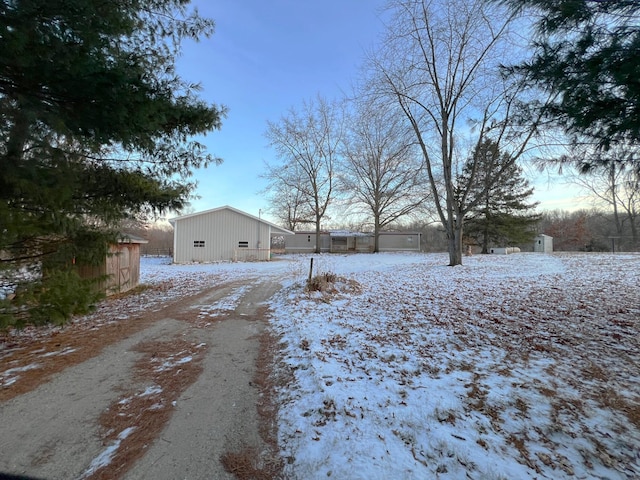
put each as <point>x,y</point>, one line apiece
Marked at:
<point>543,244</point>
<point>222,234</point>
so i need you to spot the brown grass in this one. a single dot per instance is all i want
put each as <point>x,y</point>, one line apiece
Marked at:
<point>478,401</point>
<point>594,372</point>
<point>522,406</point>
<point>609,398</point>
<point>148,414</point>
<point>520,445</point>
<point>247,463</point>
<point>86,339</point>
<point>547,392</point>
<point>322,282</point>
<point>86,343</point>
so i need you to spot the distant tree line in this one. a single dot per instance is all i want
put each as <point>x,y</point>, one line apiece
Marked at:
<point>159,238</point>
<point>587,230</point>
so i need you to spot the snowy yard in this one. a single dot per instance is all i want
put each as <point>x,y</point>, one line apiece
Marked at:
<point>520,366</point>
<point>509,367</point>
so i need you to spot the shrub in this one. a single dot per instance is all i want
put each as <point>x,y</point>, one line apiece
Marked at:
<point>322,282</point>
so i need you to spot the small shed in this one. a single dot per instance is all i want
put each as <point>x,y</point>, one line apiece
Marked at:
<point>120,271</point>
<point>543,244</point>
<point>222,234</point>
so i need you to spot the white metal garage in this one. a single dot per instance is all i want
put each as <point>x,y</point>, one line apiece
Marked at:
<point>222,234</point>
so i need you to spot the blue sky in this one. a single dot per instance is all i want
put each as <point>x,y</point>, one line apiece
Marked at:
<point>268,56</point>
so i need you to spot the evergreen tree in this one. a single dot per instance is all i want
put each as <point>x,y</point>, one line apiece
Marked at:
<point>95,128</point>
<point>586,52</point>
<point>499,213</point>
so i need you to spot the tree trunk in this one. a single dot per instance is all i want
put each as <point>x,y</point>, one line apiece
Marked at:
<point>376,234</point>
<point>455,251</point>
<point>17,139</point>
<point>485,246</point>
<point>454,240</point>
<point>485,238</point>
<point>614,197</point>
<point>317,234</point>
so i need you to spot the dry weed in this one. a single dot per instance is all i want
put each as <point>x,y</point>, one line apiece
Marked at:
<point>323,282</point>
<point>609,398</point>
<point>246,464</point>
<point>147,413</point>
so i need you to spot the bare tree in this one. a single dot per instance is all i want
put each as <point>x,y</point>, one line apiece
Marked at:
<point>440,64</point>
<point>306,144</point>
<point>616,186</point>
<point>287,204</point>
<point>381,171</point>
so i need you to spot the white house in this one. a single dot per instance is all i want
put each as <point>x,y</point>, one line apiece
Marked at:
<point>222,234</point>
<point>345,241</point>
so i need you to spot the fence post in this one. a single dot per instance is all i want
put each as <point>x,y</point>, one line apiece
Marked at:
<point>311,269</point>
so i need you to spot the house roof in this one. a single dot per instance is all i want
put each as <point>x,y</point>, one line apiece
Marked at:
<point>348,233</point>
<point>275,228</point>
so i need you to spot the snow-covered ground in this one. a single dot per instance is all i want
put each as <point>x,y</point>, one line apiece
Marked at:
<point>519,366</point>
<point>508,367</point>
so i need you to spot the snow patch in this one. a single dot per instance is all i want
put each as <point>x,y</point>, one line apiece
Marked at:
<point>104,459</point>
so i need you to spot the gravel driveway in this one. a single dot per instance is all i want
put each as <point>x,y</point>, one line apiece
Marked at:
<point>160,391</point>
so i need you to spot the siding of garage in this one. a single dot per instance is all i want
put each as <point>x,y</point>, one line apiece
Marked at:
<point>221,230</point>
